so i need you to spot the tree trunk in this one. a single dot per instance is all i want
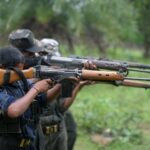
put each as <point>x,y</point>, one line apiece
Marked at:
<point>97,38</point>
<point>70,42</point>
<point>146,48</point>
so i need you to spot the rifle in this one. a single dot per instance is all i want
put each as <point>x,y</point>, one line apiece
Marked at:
<point>80,62</point>
<point>126,63</point>
<point>57,75</point>
<point>63,74</point>
<point>72,63</point>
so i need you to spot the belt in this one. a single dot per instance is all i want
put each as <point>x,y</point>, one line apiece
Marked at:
<point>24,143</point>
<point>50,129</point>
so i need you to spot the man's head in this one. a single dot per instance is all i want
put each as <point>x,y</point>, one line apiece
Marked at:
<point>49,46</point>
<point>11,57</point>
<point>25,41</point>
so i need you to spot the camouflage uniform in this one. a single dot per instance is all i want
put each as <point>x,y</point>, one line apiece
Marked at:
<point>71,129</point>
<point>57,140</point>
<point>52,133</point>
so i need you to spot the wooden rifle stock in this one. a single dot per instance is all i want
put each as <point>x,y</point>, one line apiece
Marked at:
<point>13,76</point>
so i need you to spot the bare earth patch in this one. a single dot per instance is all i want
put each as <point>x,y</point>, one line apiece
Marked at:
<point>102,139</point>
<point>145,127</point>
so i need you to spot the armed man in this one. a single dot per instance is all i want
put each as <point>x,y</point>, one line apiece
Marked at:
<point>20,104</point>
<point>51,47</point>
<point>54,125</point>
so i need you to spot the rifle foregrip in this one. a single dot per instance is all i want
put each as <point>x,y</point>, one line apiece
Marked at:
<point>101,75</point>
<point>13,76</point>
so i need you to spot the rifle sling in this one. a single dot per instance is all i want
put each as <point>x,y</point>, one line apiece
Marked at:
<point>22,77</point>
<point>6,77</point>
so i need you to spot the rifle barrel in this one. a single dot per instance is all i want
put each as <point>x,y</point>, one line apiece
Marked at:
<point>66,62</point>
<point>139,70</point>
<point>138,65</point>
<point>135,84</point>
<point>139,79</point>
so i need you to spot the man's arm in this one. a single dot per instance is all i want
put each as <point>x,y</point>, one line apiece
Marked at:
<point>69,101</point>
<point>53,92</point>
<point>18,107</point>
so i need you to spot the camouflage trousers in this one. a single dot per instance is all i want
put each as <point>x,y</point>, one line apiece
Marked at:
<point>71,129</point>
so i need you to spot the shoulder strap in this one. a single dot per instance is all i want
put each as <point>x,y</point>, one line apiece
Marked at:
<point>6,77</point>
<point>22,77</point>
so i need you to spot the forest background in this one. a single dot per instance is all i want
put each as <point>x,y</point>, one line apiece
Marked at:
<point>108,117</point>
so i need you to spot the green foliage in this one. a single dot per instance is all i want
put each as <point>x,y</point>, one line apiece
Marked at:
<point>115,18</point>
<point>108,111</point>
<point>69,13</point>
<point>44,11</point>
<point>11,12</point>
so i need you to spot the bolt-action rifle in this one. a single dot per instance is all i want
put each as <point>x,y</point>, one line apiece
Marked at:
<point>63,74</point>
<point>80,62</point>
<point>126,63</point>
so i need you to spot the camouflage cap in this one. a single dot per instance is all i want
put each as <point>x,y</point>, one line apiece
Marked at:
<point>50,46</point>
<point>24,40</point>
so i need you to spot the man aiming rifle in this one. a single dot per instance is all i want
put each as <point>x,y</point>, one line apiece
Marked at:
<point>20,104</point>
<point>51,47</point>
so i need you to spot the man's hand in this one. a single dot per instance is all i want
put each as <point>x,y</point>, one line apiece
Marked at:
<point>86,82</point>
<point>82,83</point>
<point>89,65</point>
<point>43,85</point>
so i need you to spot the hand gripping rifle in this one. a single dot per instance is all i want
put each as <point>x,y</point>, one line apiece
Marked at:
<point>63,74</point>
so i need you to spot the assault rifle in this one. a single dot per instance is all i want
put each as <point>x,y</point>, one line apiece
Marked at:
<point>63,74</point>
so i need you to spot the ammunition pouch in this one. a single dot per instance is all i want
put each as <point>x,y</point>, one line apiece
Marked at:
<point>24,143</point>
<point>50,124</point>
<point>47,130</point>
